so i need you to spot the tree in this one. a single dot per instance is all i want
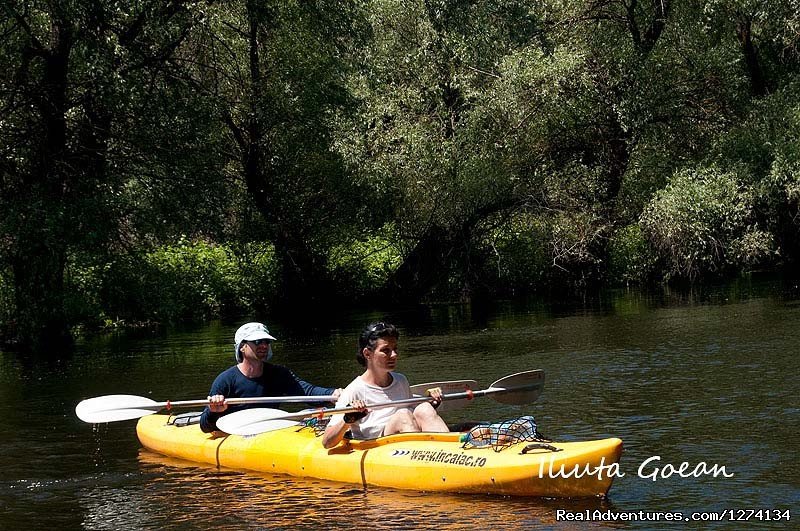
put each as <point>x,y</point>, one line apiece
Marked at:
<point>273,73</point>
<point>67,77</point>
<point>424,141</point>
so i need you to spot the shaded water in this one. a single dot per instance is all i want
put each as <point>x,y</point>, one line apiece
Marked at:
<point>708,377</point>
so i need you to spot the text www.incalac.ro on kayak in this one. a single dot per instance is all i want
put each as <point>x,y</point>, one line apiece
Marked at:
<point>447,457</point>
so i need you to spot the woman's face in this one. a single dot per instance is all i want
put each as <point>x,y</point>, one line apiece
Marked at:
<point>384,356</point>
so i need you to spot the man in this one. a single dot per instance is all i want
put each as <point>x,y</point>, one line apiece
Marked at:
<point>377,351</point>
<point>253,376</point>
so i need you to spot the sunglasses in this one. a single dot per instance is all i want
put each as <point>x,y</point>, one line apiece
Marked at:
<point>260,341</point>
<point>377,328</point>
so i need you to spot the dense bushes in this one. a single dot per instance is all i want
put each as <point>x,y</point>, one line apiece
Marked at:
<point>362,266</point>
<point>631,260</point>
<point>193,280</point>
<point>517,257</point>
<point>503,147</point>
<point>531,252</point>
<point>767,144</point>
<point>703,222</point>
<point>188,280</point>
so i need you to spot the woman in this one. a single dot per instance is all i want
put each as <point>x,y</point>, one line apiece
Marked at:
<point>377,352</point>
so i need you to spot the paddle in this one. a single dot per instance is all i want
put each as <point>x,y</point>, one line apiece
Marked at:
<point>111,408</point>
<point>453,386</point>
<point>521,388</point>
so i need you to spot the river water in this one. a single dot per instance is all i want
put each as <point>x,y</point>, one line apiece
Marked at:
<point>707,376</point>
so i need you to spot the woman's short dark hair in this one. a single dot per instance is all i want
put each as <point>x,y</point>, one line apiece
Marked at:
<point>370,335</point>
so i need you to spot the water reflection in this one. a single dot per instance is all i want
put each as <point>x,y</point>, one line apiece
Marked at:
<point>224,498</point>
<point>691,378</point>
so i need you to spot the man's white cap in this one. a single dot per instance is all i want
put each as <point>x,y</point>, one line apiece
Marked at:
<point>251,332</point>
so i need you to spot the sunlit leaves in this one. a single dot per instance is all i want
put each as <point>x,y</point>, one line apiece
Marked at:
<point>703,221</point>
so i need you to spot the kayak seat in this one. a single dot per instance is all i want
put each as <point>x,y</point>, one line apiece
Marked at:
<point>185,419</point>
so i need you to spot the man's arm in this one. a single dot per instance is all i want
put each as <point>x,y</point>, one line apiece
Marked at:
<point>293,385</point>
<point>220,388</point>
<point>208,420</point>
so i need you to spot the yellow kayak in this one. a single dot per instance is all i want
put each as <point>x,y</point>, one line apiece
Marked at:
<point>414,461</point>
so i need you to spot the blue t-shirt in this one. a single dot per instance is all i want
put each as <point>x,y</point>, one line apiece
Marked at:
<point>275,380</point>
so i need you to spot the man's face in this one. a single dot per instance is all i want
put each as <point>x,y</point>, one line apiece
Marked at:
<point>255,350</point>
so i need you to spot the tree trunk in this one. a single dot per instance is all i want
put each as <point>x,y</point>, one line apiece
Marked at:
<point>744,32</point>
<point>619,156</point>
<point>40,252</point>
<point>301,275</point>
<point>658,20</point>
<point>39,287</point>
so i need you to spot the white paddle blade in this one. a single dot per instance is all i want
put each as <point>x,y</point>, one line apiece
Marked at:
<point>521,388</point>
<point>449,387</point>
<point>254,421</point>
<point>112,408</point>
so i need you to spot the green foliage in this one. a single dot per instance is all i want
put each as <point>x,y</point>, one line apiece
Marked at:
<point>630,260</point>
<point>361,267</point>
<point>767,143</point>
<point>702,222</point>
<point>519,258</point>
<point>755,248</point>
<point>426,148</point>
<point>530,251</point>
<point>272,76</point>
<point>427,141</point>
<point>575,238</point>
<point>189,280</point>
<point>83,285</point>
